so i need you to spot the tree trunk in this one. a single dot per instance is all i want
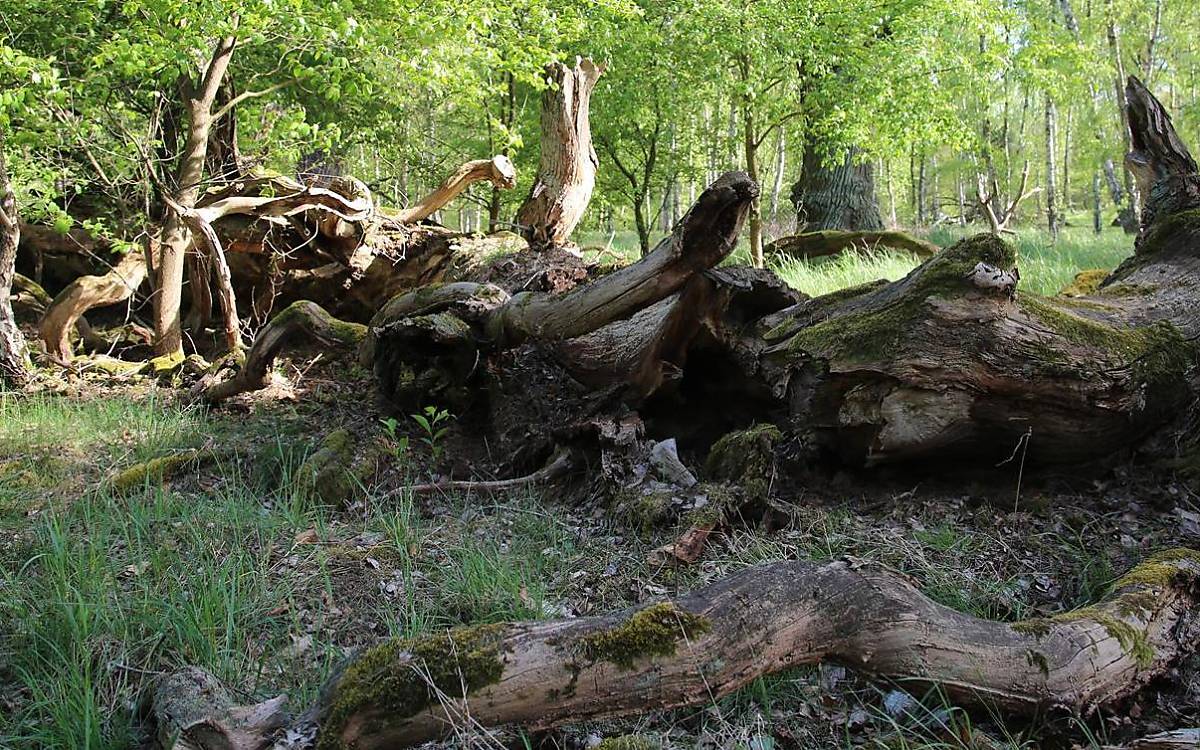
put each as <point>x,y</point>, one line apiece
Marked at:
<point>177,238</point>
<point>697,648</point>
<point>508,118</point>
<point>567,170</point>
<point>777,182</point>
<point>921,190</point>
<point>14,358</point>
<point>1051,168</point>
<point>1097,219</point>
<point>837,197</point>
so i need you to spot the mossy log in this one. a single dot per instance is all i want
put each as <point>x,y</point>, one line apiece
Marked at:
<point>827,242</point>
<point>690,650</point>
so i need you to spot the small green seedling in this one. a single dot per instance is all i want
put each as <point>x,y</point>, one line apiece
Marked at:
<point>399,443</point>
<point>431,420</point>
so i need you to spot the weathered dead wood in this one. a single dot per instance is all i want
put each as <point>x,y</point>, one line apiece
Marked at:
<point>301,319</point>
<point>1165,171</point>
<point>950,364</point>
<point>567,169</point>
<point>498,170</point>
<point>1179,739</point>
<point>833,241</point>
<point>433,354</point>
<point>85,293</point>
<point>998,215</point>
<point>191,710</point>
<point>692,649</point>
<point>558,466</point>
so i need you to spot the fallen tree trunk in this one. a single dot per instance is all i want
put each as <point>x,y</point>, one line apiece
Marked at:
<point>693,649</point>
<point>832,241</point>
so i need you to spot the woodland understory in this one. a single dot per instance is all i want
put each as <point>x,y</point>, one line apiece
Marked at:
<point>754,495</point>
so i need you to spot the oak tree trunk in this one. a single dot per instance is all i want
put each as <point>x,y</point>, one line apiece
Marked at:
<point>838,196</point>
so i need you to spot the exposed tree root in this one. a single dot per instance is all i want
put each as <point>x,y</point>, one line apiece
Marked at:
<point>82,295</point>
<point>300,319</point>
<point>559,465</point>
<point>693,649</point>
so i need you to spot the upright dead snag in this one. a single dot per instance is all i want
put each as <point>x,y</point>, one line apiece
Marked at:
<point>567,170</point>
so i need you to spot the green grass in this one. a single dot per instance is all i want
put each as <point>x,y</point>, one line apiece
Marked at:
<point>1046,266</point>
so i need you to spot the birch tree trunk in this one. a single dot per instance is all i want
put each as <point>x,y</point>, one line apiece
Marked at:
<point>1051,168</point>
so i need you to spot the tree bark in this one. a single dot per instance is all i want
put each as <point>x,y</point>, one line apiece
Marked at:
<point>699,647</point>
<point>83,294</point>
<point>1052,218</point>
<point>14,357</point>
<point>176,235</point>
<point>567,169</point>
<point>841,196</point>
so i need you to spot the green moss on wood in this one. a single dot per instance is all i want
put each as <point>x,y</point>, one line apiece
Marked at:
<point>629,742</point>
<point>1085,283</point>
<point>878,330</point>
<point>1159,570</point>
<point>745,458</point>
<point>654,631</point>
<point>400,678</point>
<point>336,473</point>
<point>156,469</point>
<point>1134,598</point>
<point>722,501</point>
<point>1157,354</point>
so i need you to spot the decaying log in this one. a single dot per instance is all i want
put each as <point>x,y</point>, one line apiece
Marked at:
<point>567,170</point>
<point>432,353</point>
<point>191,710</point>
<point>498,170</point>
<point>833,241</point>
<point>1164,169</point>
<point>693,649</point>
<point>82,295</point>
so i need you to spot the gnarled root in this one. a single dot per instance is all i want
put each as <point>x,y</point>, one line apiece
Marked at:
<point>689,650</point>
<point>82,295</point>
<point>298,319</point>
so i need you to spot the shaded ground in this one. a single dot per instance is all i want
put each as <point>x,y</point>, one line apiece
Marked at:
<point>230,566</point>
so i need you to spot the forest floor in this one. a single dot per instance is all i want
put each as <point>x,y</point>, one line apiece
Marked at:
<point>229,566</point>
